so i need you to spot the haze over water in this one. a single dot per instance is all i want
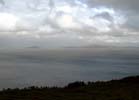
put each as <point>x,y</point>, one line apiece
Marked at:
<point>58,67</point>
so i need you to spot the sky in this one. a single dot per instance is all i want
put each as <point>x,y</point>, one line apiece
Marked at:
<point>68,23</point>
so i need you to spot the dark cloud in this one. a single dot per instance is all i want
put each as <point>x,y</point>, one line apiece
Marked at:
<point>2,2</point>
<point>105,15</point>
<point>127,5</point>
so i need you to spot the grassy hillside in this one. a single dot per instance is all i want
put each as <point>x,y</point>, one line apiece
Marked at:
<point>123,89</point>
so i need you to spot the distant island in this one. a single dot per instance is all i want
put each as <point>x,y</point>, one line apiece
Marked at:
<point>122,89</point>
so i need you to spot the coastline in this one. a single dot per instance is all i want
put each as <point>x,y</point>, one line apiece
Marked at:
<point>122,89</point>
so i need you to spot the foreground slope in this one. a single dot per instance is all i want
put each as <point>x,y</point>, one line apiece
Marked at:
<point>123,89</point>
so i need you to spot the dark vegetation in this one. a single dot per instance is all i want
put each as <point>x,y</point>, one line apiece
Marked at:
<point>123,89</point>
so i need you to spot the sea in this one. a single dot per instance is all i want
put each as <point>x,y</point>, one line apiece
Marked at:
<point>26,67</point>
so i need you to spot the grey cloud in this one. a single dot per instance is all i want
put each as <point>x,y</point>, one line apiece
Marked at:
<point>132,22</point>
<point>129,8</point>
<point>69,20</point>
<point>105,15</point>
<point>121,5</point>
<point>2,2</point>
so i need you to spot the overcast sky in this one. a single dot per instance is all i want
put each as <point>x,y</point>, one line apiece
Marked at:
<point>60,23</point>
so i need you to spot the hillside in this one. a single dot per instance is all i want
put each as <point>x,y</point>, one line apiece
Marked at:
<point>123,89</point>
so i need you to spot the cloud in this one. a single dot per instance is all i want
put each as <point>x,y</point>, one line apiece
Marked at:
<point>129,8</point>
<point>2,2</point>
<point>7,22</point>
<point>105,15</point>
<point>108,21</point>
<point>127,5</point>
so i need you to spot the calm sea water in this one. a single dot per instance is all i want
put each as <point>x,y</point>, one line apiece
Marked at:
<point>41,67</point>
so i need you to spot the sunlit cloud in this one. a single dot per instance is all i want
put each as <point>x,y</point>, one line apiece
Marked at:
<point>7,22</point>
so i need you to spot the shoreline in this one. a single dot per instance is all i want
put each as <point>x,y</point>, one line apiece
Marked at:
<point>121,89</point>
<point>72,82</point>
